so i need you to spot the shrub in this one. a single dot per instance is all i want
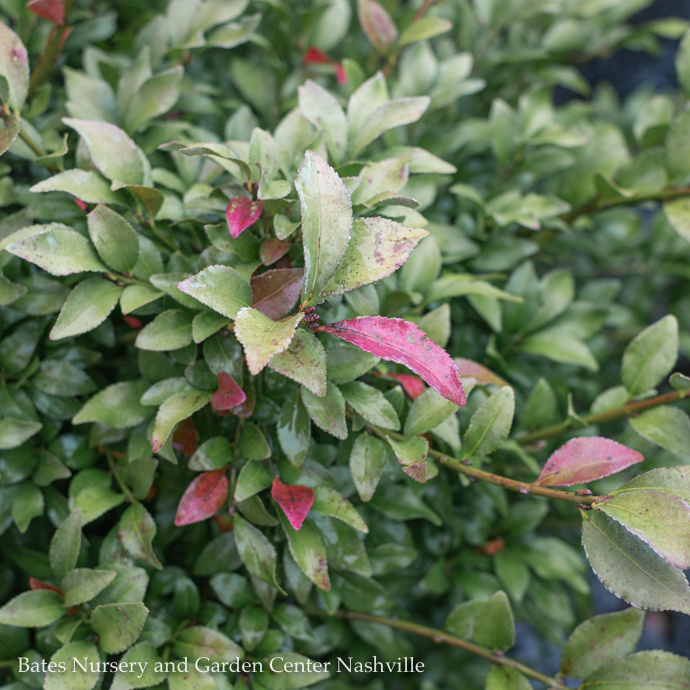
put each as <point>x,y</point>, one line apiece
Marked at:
<point>309,313</point>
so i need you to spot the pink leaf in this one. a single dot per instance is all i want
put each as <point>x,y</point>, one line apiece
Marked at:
<point>273,249</point>
<point>275,292</point>
<point>241,213</point>
<point>468,368</point>
<point>377,24</point>
<point>186,437</point>
<point>203,498</point>
<point>400,341</point>
<point>585,459</point>
<point>228,395</point>
<point>295,500</point>
<point>413,385</point>
<point>52,10</point>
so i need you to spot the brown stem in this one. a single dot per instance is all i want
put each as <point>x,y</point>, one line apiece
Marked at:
<point>505,482</point>
<point>440,636</point>
<point>603,205</point>
<point>422,10</point>
<point>626,410</point>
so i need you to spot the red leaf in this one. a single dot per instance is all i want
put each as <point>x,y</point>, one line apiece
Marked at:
<point>467,368</point>
<point>52,10</point>
<point>314,56</point>
<point>413,385</point>
<point>203,498</point>
<point>276,292</point>
<point>400,341</point>
<point>39,584</point>
<point>186,437</point>
<point>273,249</point>
<point>585,459</point>
<point>81,204</point>
<point>228,395</point>
<point>241,213</point>
<point>246,409</point>
<point>295,500</point>
<point>133,322</point>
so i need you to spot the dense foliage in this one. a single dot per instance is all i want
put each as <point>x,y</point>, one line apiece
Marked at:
<point>310,310</point>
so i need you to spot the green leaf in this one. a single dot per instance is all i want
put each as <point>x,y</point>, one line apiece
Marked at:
<point>116,405</point>
<point>347,363</point>
<point>87,307</point>
<point>13,432</point>
<point>28,504</point>
<point>662,521</point>
<point>137,530</point>
<point>495,625</point>
<point>212,454</point>
<point>367,462</point>
<point>253,626</point>
<point>371,404</point>
<point>321,109</point>
<point>257,553</point>
<point>118,626</point>
<point>114,154</point>
<point>194,643</point>
<point>253,444</point>
<point>82,584</point>
<point>423,268</point>
<point>308,550</point>
<point>304,361</point>
<point>65,544</point>
<point>14,67</point>
<point>630,568</point>
<point>558,346</point>
<point>11,292</point>
<point>678,148</point>
<point>386,241</point>
<point>667,426</point>
<point>115,239</point>
<point>220,287</point>
<point>205,324</point>
<point>287,673</point>
<point>427,412</point>
<point>81,661</point>
<point>86,185</point>
<point>142,659</point>
<point>331,504</point>
<point>650,356</point>
<point>294,430</point>
<point>62,379</point>
<point>642,671</point>
<point>423,28</point>
<point>600,640</point>
<point>254,477</point>
<point>58,250</point>
<point>490,424</point>
<point>32,609</point>
<point>506,678</point>
<point>170,330</point>
<point>174,410</point>
<point>261,337</point>
<point>678,215</point>
<point>328,413</point>
<point>326,223</point>
<point>458,284</point>
<point>90,491</point>
<point>461,620</point>
<point>135,296</point>
<point>154,96</point>
<point>401,111</point>
<point>410,451</point>
<point>671,480</point>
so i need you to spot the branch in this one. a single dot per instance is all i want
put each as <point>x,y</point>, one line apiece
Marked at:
<point>511,484</point>
<point>440,636</point>
<point>627,410</point>
<point>605,204</point>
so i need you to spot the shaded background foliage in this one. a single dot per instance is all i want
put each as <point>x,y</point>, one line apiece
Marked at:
<point>611,272</point>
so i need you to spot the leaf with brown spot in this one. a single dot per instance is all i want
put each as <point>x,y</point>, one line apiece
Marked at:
<point>276,292</point>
